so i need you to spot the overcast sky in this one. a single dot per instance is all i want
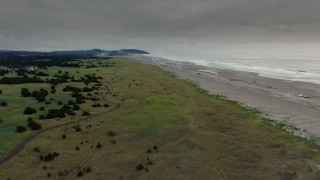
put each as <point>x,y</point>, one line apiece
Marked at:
<point>162,26</point>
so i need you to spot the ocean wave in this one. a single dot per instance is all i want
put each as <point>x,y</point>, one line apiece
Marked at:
<point>286,69</point>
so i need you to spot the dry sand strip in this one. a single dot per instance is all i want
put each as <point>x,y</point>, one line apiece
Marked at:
<point>277,99</point>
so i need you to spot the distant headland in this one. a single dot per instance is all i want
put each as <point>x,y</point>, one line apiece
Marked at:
<point>75,54</point>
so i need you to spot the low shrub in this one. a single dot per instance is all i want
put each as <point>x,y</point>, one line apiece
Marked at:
<point>20,129</point>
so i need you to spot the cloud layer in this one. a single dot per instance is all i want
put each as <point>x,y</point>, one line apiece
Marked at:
<point>163,26</point>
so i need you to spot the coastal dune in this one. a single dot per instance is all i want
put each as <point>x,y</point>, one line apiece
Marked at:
<point>277,99</point>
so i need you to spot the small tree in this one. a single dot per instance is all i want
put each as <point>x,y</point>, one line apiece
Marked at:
<point>76,107</point>
<point>25,92</point>
<point>140,167</point>
<point>33,125</point>
<point>98,146</point>
<point>80,173</point>
<point>3,104</point>
<point>77,128</point>
<point>111,133</point>
<point>86,113</point>
<point>20,129</point>
<point>29,110</point>
<point>88,169</point>
<point>50,156</point>
<point>155,147</point>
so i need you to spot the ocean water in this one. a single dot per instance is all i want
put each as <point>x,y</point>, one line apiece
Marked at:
<point>305,70</point>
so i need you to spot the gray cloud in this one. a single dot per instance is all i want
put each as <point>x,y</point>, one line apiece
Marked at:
<point>156,25</point>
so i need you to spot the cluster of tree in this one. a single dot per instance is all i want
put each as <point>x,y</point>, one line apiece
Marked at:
<point>39,95</point>
<point>42,74</point>
<point>141,167</point>
<point>91,66</point>
<point>90,79</point>
<point>58,58</point>
<point>20,80</point>
<point>14,61</point>
<point>65,77</point>
<point>72,89</point>
<point>24,72</point>
<point>21,72</point>
<point>33,124</point>
<point>4,72</point>
<point>32,72</point>
<point>59,113</point>
<point>56,81</point>
<point>89,89</point>
<point>49,157</point>
<point>77,90</point>
<point>75,106</point>
<point>96,105</point>
<point>84,171</point>
<point>80,99</point>
<point>53,89</point>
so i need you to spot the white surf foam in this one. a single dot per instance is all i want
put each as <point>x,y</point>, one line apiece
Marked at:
<point>305,70</point>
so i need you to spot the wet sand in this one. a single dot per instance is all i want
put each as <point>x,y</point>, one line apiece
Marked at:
<point>277,99</point>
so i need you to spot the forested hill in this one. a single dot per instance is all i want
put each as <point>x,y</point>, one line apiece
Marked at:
<point>20,59</point>
<point>79,53</point>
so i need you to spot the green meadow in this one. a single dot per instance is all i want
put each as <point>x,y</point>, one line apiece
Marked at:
<point>12,115</point>
<point>165,128</point>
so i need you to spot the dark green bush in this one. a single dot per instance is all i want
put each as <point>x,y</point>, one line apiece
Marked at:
<point>20,129</point>
<point>3,104</point>
<point>29,110</point>
<point>99,146</point>
<point>140,167</point>
<point>86,113</point>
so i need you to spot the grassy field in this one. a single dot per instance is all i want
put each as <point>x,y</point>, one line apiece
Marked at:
<point>12,115</point>
<point>165,125</point>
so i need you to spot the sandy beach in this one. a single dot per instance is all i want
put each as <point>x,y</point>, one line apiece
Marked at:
<point>277,99</point>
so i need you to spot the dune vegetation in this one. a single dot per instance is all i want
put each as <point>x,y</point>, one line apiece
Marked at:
<point>142,122</point>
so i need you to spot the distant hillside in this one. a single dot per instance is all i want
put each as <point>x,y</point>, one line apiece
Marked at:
<point>75,54</point>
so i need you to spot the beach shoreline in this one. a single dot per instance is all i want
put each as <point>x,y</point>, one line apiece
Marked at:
<point>277,99</point>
